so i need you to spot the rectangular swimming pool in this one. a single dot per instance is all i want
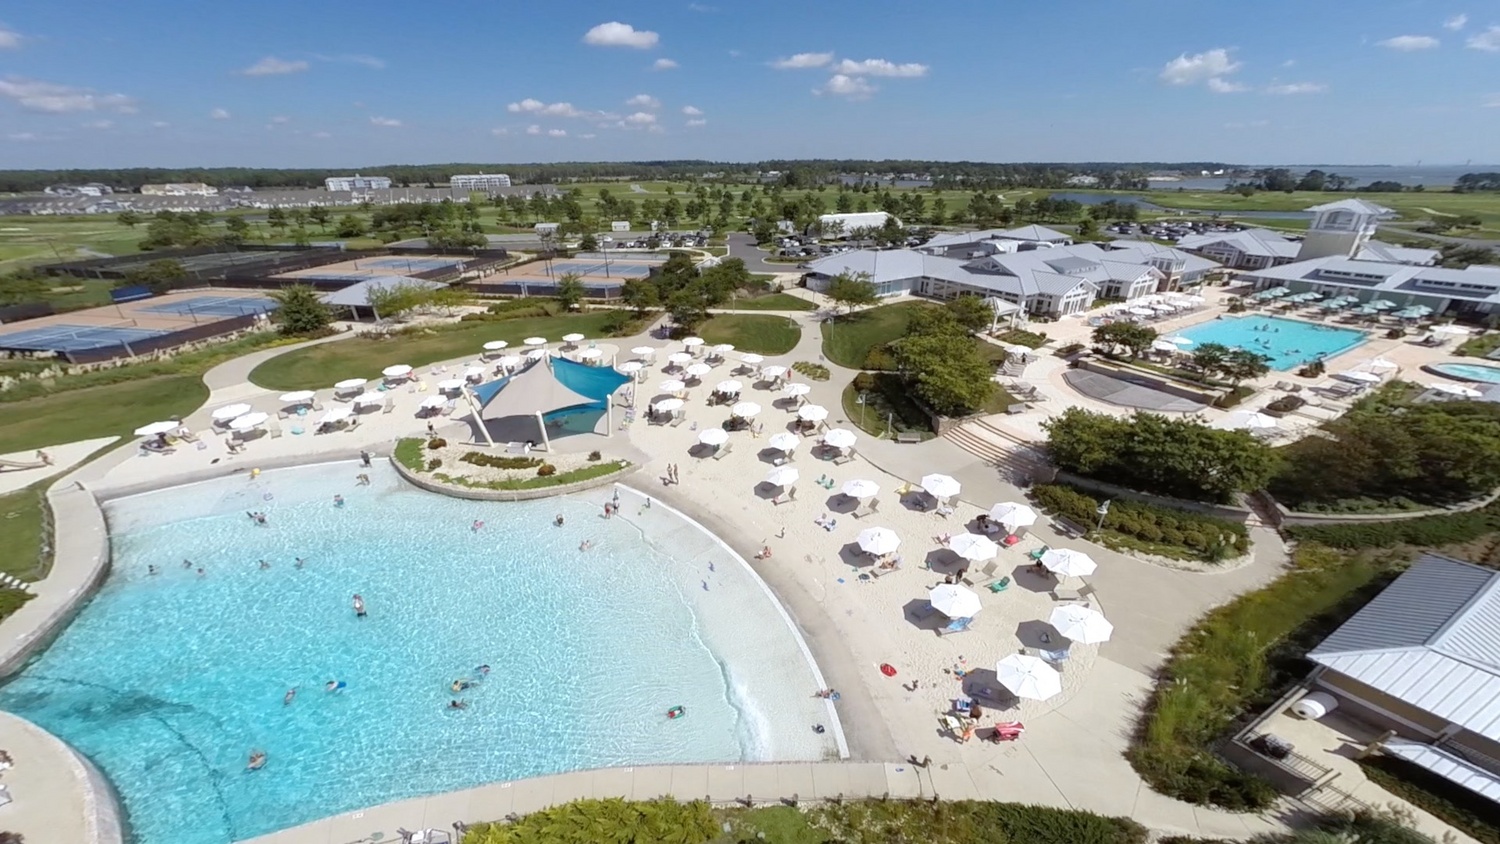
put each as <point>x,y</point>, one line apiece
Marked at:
<point>1286,343</point>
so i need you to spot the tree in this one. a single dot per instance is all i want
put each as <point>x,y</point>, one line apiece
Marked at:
<point>350,226</point>
<point>157,275</point>
<point>1134,339</point>
<point>1313,180</point>
<point>392,301</point>
<point>129,219</point>
<point>1240,365</point>
<point>570,291</point>
<point>945,371</point>
<point>1210,357</point>
<point>276,218</point>
<point>300,310</point>
<point>236,229</point>
<point>1088,227</point>
<point>588,243</point>
<point>320,215</point>
<point>641,294</point>
<point>972,313</point>
<point>851,291</point>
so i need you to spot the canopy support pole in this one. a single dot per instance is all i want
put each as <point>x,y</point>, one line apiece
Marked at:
<point>542,423</point>
<point>478,416</point>
<point>609,415</point>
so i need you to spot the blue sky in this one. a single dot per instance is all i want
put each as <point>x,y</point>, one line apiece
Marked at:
<point>343,83</point>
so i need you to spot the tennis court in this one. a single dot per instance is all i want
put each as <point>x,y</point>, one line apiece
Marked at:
<point>406,264</point>
<point>66,337</point>
<point>614,269</point>
<point>213,263</point>
<point>212,306</point>
<point>182,316</point>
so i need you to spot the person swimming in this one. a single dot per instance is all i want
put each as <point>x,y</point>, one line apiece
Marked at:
<point>478,523</point>
<point>482,670</point>
<point>458,704</point>
<point>338,501</point>
<point>264,565</point>
<point>585,545</point>
<point>558,521</point>
<point>299,563</point>
<point>359,606</point>
<point>459,685</point>
<point>257,760</point>
<point>152,570</point>
<point>335,686</point>
<point>291,694</point>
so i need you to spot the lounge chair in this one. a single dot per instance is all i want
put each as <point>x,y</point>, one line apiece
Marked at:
<point>880,571</point>
<point>1054,658</point>
<point>723,450</point>
<point>1000,585</point>
<point>275,431</point>
<point>390,405</point>
<point>677,419</point>
<point>1036,554</point>
<point>957,625</point>
<point>1082,593</point>
<point>985,575</point>
<point>844,457</point>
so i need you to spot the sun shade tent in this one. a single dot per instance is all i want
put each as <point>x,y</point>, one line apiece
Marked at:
<point>972,546</point>
<point>796,389</point>
<point>548,391</point>
<point>156,429</point>
<point>940,486</point>
<point>812,413</point>
<point>782,476</point>
<point>860,488</point>
<point>1084,625</point>
<point>248,421</point>
<point>1068,563</point>
<point>745,410</point>
<point>231,411</point>
<point>298,397</point>
<point>783,441</point>
<point>839,438</point>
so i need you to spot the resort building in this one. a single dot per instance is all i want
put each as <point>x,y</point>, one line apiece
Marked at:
<point>1343,228</point>
<point>1423,660</point>
<point>1051,282</point>
<point>479,182</point>
<point>843,225</point>
<point>356,182</point>
<point>179,189</point>
<point>1251,249</point>
<point>989,241</point>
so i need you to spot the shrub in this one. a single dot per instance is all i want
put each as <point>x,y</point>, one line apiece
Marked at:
<point>1236,306</point>
<point>880,358</point>
<point>595,456</point>
<point>864,381</point>
<point>1313,370</point>
<point>1451,803</point>
<point>1427,531</point>
<point>1191,536</point>
<point>1020,337</point>
<point>1395,333</point>
<point>501,461</point>
<point>812,371</point>
<point>1234,396</point>
<point>546,470</point>
<point>1070,350</point>
<point>437,442</point>
<point>620,323</point>
<point>434,463</point>
<point>1286,404</point>
<point>12,600</point>
<point>408,453</point>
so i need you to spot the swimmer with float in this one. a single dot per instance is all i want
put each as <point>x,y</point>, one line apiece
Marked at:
<point>676,712</point>
<point>257,760</point>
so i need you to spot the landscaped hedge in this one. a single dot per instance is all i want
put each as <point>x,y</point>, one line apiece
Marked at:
<point>612,819</point>
<point>1197,536</point>
<point>501,461</point>
<point>880,358</point>
<point>1447,529</point>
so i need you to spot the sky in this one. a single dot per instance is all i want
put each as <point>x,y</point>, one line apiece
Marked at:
<point>340,83</point>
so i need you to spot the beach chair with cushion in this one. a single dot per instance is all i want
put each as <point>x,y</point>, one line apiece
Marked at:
<point>1000,585</point>
<point>1036,554</point>
<point>677,419</point>
<point>1054,658</point>
<point>985,575</point>
<point>957,625</point>
<point>1082,593</point>
<point>390,405</point>
<point>882,571</point>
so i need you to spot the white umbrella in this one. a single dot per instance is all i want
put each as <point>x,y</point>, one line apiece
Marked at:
<point>1178,340</point>
<point>839,438</point>
<point>248,421</point>
<point>1163,346</point>
<point>1082,624</point>
<point>591,354</point>
<point>1246,420</point>
<point>1381,364</point>
<point>350,383</point>
<point>954,601</point>
<point>729,386</point>
<point>1018,350</point>
<point>679,358</point>
<point>1141,311</point>
<point>630,367</point>
<point>692,341</point>
<point>298,397</point>
<point>369,398</point>
<point>940,486</point>
<point>745,410</point>
<point>644,351</point>
<point>860,488</point>
<point>781,476</point>
<point>723,348</point>
<point>752,358</point>
<point>878,541</point>
<point>773,371</point>
<point>1068,563</point>
<point>337,414</point>
<point>1028,677</point>
<point>399,370</point>
<point>535,341</point>
<point>157,429</point>
<point>671,385</point>
<point>572,338</point>
<point>1456,390</point>
<point>433,401</point>
<point>1013,515</point>
<point>698,370</point>
<point>796,389</point>
<point>1454,330</point>
<point>713,436</point>
<point>473,373</point>
<point>972,546</point>
<point>1362,377</point>
<point>509,361</point>
<point>450,385</point>
<point>783,441</point>
<point>812,413</point>
<point>230,411</point>
<point>667,405</point>
<point>495,345</point>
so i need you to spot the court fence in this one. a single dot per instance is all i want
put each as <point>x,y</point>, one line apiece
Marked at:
<point>162,342</point>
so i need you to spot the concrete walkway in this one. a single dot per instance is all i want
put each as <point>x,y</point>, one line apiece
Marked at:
<point>54,794</point>
<point>64,457</point>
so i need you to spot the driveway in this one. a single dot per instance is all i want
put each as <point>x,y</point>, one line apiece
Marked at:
<point>743,246</point>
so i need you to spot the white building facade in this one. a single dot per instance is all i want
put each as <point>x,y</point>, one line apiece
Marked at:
<point>356,182</point>
<point>479,182</point>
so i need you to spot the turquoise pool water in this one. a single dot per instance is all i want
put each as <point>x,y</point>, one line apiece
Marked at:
<point>1468,372</point>
<point>1287,343</point>
<point>167,681</point>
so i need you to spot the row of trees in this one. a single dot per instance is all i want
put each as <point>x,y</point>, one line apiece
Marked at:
<point>686,292</point>
<point>1212,359</point>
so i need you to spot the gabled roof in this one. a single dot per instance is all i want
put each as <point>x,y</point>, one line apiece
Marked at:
<point>1374,250</point>
<point>1357,206</point>
<point>1432,640</point>
<point>1057,284</point>
<point>1072,264</point>
<point>961,238</point>
<point>1263,242</point>
<point>1037,233</point>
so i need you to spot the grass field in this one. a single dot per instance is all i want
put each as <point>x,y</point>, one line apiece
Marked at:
<point>760,333</point>
<point>1412,206</point>
<point>317,367</point>
<point>773,302</point>
<point>21,533</point>
<point>113,409</point>
<point>849,338</point>
<point>35,240</point>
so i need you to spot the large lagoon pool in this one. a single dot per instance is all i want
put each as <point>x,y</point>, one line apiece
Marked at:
<point>1286,343</point>
<point>167,681</point>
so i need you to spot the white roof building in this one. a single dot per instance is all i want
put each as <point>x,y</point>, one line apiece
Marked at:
<point>841,225</point>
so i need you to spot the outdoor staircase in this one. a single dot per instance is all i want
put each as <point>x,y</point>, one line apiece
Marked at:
<point>1005,450</point>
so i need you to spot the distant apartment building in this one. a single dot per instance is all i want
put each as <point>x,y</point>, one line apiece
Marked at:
<point>90,189</point>
<point>179,189</point>
<point>356,182</point>
<point>480,182</point>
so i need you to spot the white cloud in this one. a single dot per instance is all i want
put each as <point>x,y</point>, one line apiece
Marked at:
<point>99,124</point>
<point>1289,63</point>
<point>801,61</point>
<point>160,124</point>
<point>281,118</point>
<point>500,131</point>
<point>533,106</point>
<point>9,38</point>
<point>533,129</point>
<point>1488,41</point>
<point>1222,86</point>
<point>692,111</point>
<point>697,122</point>
<point>219,114</point>
<point>879,67</point>
<point>1297,88</point>
<point>616,34</point>
<point>644,101</point>
<point>51,98</point>
<point>699,7</point>
<point>1199,67</point>
<point>841,85</point>
<point>385,121</point>
<point>272,66</point>
<point>663,64</point>
<point>557,133</point>
<point>1456,22</point>
<point>1410,43</point>
<point>322,135</point>
<point>372,62</point>
<point>640,118</point>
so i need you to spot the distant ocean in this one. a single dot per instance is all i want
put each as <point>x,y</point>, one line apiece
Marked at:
<point>1411,175</point>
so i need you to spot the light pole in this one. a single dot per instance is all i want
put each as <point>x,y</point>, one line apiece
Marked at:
<point>1102,510</point>
<point>860,400</point>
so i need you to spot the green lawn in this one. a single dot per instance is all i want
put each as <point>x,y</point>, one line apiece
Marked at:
<point>1479,346</point>
<point>760,333</point>
<point>113,409</point>
<point>849,338</point>
<point>773,302</point>
<point>320,366</point>
<point>574,476</point>
<point>29,240</point>
<point>21,533</point>
<point>1423,205</point>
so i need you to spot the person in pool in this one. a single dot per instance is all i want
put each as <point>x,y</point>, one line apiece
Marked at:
<point>257,760</point>
<point>335,686</point>
<point>482,670</point>
<point>338,501</point>
<point>459,685</point>
<point>291,694</point>
<point>458,704</point>
<point>359,606</point>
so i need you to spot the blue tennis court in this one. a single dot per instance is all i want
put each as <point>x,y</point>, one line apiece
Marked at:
<point>410,264</point>
<point>74,338</point>
<point>213,306</point>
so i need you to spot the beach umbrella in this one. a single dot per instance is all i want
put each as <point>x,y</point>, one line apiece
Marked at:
<point>713,436</point>
<point>369,398</point>
<point>537,354</point>
<point>745,410</point>
<point>433,402</point>
<point>1141,311</point>
<point>248,421</point>
<point>1380,364</point>
<point>796,389</point>
<point>667,405</point>
<point>783,441</point>
<point>1383,305</point>
<point>156,429</point>
<point>812,413</point>
<point>1018,350</point>
<point>1361,377</point>
<point>1277,292</point>
<point>474,373</point>
<point>730,386</point>
<point>1163,346</point>
<point>591,354</point>
<point>1245,420</point>
<point>839,438</point>
<point>723,348</point>
<point>690,342</point>
<point>230,411</point>
<point>752,358</point>
<point>1013,515</point>
<point>350,384</point>
<point>671,385</point>
<point>509,361</point>
<point>1028,677</point>
<point>679,358</point>
<point>450,385</point>
<point>1082,624</point>
<point>860,488</point>
<point>572,338</point>
<point>878,541</point>
<point>1451,330</point>
<point>773,371</point>
<point>495,345</point>
<point>1068,563</point>
<point>954,601</point>
<point>1456,390</point>
<point>399,370</point>
<point>535,341</point>
<point>298,397</point>
<point>630,367</point>
<point>644,351</point>
<point>336,414</point>
<point>940,486</point>
<point>972,546</point>
<point>1178,340</point>
<point>698,370</point>
<point>781,476</point>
